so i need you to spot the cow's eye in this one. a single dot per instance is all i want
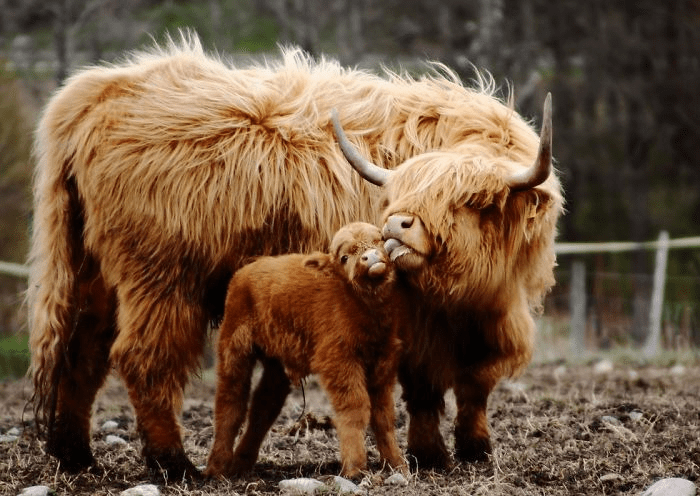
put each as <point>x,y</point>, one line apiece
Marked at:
<point>343,259</point>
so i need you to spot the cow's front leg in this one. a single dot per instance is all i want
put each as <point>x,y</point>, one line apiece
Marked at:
<point>425,404</point>
<point>472,440</point>
<point>507,349</point>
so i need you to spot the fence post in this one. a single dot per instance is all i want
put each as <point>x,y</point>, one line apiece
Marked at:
<point>577,336</point>
<point>651,346</point>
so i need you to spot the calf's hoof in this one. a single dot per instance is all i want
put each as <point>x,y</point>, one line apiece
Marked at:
<point>353,474</point>
<point>473,450</point>
<point>172,466</point>
<point>229,469</point>
<point>73,455</point>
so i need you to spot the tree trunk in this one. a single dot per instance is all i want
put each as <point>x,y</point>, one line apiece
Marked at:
<point>60,32</point>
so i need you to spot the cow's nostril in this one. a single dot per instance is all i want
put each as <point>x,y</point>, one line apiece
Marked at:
<point>407,222</point>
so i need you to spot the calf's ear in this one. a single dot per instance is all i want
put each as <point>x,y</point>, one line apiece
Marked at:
<point>317,260</point>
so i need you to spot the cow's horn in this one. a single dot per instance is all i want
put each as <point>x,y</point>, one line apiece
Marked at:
<point>366,169</point>
<point>542,168</point>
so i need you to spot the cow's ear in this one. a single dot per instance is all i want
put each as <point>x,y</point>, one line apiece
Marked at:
<point>317,260</point>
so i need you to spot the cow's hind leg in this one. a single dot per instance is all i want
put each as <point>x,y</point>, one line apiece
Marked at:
<point>83,370</point>
<point>160,341</point>
<point>425,404</point>
<point>268,400</point>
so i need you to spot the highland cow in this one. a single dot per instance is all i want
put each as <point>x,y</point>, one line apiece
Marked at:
<point>157,177</point>
<point>474,245</point>
<point>336,315</point>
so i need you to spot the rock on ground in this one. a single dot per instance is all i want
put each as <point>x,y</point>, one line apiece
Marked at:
<point>141,490</point>
<point>671,487</point>
<point>302,485</point>
<point>109,425</point>
<point>114,440</point>
<point>396,480</point>
<point>344,486</point>
<point>37,491</point>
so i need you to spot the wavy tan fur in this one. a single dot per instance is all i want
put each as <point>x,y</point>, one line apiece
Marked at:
<point>159,176</point>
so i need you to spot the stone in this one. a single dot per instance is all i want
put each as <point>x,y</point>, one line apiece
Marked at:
<point>113,440</point>
<point>671,487</point>
<point>344,486</point>
<point>6,438</point>
<point>677,369</point>
<point>636,416</point>
<point>109,425</point>
<point>141,490</point>
<point>559,372</point>
<point>10,436</point>
<point>603,367</point>
<point>37,491</point>
<point>396,479</point>
<point>609,419</point>
<point>302,485</point>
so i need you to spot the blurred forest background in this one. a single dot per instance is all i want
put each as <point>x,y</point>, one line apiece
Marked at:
<point>625,77</point>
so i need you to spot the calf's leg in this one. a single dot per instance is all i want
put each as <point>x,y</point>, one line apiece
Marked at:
<point>381,378</point>
<point>382,423</point>
<point>234,373</point>
<point>345,385</point>
<point>268,400</point>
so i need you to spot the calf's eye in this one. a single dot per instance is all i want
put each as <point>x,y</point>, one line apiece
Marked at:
<point>343,259</point>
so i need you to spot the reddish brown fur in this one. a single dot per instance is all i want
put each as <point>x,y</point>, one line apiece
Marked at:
<point>311,314</point>
<point>156,178</point>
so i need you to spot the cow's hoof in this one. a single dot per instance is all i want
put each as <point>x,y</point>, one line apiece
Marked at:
<point>428,458</point>
<point>172,466</point>
<point>73,454</point>
<point>473,450</point>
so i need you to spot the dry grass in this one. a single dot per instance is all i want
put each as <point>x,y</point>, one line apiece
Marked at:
<point>549,431</point>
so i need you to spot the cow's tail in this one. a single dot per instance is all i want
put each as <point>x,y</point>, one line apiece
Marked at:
<point>54,261</point>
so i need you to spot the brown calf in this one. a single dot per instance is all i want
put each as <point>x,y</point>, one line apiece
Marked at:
<point>335,315</point>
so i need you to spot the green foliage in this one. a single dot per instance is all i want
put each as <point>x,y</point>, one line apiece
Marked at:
<point>262,35</point>
<point>236,27</point>
<point>15,172</point>
<point>14,356</point>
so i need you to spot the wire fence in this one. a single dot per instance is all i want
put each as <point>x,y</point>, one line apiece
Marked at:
<point>601,299</point>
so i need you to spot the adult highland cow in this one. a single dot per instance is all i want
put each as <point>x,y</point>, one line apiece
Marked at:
<point>158,177</point>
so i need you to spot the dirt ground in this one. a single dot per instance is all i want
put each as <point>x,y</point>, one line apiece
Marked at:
<point>556,430</point>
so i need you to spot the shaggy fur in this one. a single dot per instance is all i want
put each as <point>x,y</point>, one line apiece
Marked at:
<point>336,315</point>
<point>158,176</point>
